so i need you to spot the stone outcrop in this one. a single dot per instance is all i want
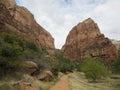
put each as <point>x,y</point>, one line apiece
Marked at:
<point>46,76</point>
<point>85,39</point>
<point>30,67</point>
<point>19,20</point>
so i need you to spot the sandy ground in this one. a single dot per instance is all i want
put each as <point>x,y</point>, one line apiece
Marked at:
<point>62,84</point>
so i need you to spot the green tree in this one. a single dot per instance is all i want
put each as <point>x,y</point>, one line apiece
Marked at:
<point>31,45</point>
<point>11,47</point>
<point>116,65</point>
<point>64,64</point>
<point>94,69</point>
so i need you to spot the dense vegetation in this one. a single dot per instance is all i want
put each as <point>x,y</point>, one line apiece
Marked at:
<point>116,66</point>
<point>64,65</point>
<point>13,50</point>
<point>59,64</point>
<point>94,69</point>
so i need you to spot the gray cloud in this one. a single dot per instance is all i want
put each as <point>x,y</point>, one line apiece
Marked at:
<point>59,16</point>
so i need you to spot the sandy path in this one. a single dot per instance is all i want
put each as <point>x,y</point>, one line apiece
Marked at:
<point>62,84</point>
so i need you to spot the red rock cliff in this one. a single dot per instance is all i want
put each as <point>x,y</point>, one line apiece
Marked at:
<point>86,40</point>
<point>19,20</point>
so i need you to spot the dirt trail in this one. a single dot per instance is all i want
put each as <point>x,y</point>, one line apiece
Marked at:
<point>62,84</point>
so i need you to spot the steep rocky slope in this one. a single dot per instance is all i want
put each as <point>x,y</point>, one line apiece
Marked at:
<point>19,20</point>
<point>85,39</point>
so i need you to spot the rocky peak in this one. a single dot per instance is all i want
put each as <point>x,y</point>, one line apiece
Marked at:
<point>83,30</point>
<point>85,39</point>
<point>19,20</point>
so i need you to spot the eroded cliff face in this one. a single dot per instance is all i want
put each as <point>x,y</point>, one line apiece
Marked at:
<point>19,20</point>
<point>85,39</point>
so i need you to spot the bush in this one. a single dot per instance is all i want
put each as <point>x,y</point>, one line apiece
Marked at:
<point>10,45</point>
<point>94,69</point>
<point>12,48</point>
<point>31,45</point>
<point>116,66</point>
<point>9,87</point>
<point>63,64</point>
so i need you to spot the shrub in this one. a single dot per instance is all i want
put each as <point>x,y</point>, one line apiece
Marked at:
<point>12,48</point>
<point>10,45</point>
<point>31,45</point>
<point>94,69</point>
<point>63,64</point>
<point>116,66</point>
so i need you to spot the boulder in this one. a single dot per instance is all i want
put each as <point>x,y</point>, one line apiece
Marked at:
<point>46,76</point>
<point>30,67</point>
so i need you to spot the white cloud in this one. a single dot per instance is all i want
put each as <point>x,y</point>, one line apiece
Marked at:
<point>59,16</point>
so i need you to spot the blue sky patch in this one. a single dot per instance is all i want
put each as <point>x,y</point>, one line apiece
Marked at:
<point>68,1</point>
<point>18,2</point>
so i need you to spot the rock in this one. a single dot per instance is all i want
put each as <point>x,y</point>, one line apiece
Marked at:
<point>28,86</point>
<point>117,44</point>
<point>85,39</point>
<point>46,76</point>
<point>8,3</point>
<point>20,21</point>
<point>30,64</point>
<point>30,67</point>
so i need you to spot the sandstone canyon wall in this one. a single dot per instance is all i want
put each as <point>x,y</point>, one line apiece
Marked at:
<point>19,20</point>
<point>85,39</point>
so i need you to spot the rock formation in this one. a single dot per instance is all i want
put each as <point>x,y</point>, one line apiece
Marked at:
<point>117,44</point>
<point>30,67</point>
<point>19,20</point>
<point>85,40</point>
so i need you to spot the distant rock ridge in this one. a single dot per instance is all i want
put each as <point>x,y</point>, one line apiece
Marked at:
<point>117,44</point>
<point>19,20</point>
<point>85,39</point>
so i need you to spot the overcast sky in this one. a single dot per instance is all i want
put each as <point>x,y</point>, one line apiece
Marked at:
<point>59,16</point>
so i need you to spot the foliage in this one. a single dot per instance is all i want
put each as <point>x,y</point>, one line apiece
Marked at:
<point>94,69</point>
<point>63,64</point>
<point>31,45</point>
<point>116,65</point>
<point>13,50</point>
<point>10,45</point>
<point>9,87</point>
<point>10,50</point>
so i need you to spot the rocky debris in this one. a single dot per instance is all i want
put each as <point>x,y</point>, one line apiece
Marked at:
<point>85,40</point>
<point>19,20</point>
<point>28,86</point>
<point>46,76</point>
<point>25,86</point>
<point>30,67</point>
<point>27,83</point>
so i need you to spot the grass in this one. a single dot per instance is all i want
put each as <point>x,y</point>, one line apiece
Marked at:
<point>7,83</point>
<point>79,82</point>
